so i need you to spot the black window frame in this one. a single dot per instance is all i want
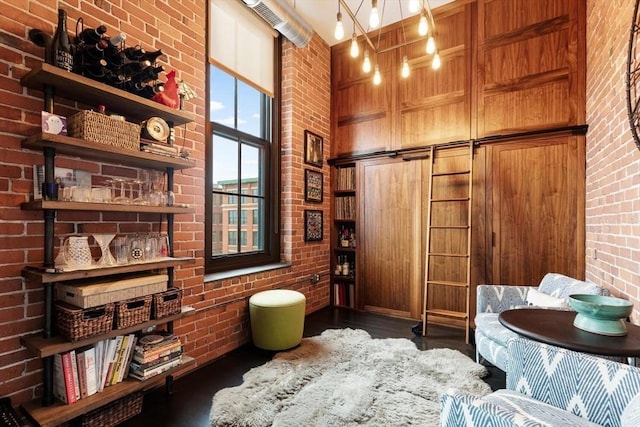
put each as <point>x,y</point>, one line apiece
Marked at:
<point>271,234</point>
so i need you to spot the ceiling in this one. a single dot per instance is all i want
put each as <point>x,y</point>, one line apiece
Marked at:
<point>321,14</point>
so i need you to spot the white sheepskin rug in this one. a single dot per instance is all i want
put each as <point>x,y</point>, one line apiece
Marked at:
<point>345,378</point>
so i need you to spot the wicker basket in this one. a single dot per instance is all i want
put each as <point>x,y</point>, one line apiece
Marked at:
<point>133,311</point>
<point>76,323</point>
<point>113,413</point>
<point>103,129</point>
<point>167,303</point>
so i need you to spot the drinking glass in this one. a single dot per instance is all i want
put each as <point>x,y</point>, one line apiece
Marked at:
<point>120,248</point>
<point>136,248</point>
<point>164,249</point>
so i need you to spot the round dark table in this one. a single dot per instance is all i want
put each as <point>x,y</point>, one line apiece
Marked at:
<point>555,327</point>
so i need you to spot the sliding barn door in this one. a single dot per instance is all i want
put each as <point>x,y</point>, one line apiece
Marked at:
<point>538,209</point>
<point>391,237</point>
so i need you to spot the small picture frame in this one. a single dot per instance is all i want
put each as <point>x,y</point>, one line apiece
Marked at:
<point>313,186</point>
<point>313,149</point>
<point>312,225</point>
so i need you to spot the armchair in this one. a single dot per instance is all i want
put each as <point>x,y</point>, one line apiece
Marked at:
<point>491,337</point>
<point>550,386</point>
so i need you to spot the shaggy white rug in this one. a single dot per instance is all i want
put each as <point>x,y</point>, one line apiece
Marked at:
<point>345,378</point>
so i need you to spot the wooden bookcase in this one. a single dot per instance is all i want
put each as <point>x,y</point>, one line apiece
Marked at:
<point>344,237</point>
<point>50,79</point>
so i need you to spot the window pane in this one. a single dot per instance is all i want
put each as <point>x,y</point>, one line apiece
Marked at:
<point>249,112</point>
<point>251,171</point>
<point>222,98</point>
<point>225,164</point>
<point>254,222</point>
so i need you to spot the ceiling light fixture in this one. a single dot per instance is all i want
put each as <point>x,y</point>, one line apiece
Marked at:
<point>339,31</point>
<point>426,28</point>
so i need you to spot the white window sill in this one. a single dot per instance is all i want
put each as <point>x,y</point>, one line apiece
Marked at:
<point>245,271</point>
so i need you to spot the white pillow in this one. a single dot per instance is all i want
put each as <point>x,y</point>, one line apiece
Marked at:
<point>537,298</point>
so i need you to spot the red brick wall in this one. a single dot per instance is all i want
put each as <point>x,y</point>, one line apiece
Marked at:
<point>221,320</point>
<point>613,159</point>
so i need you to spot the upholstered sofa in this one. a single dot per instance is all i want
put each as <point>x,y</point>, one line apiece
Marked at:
<point>551,386</point>
<point>491,337</point>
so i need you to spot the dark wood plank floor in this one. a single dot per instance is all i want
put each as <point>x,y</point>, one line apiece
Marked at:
<point>189,405</point>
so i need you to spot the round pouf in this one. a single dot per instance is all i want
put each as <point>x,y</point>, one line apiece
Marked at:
<point>277,319</point>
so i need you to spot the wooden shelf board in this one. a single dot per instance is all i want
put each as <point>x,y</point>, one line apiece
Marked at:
<point>39,276</point>
<point>464,172</point>
<point>58,413</point>
<point>45,347</point>
<point>343,279</point>
<point>344,192</point>
<point>81,148</point>
<point>90,92</point>
<point>38,205</point>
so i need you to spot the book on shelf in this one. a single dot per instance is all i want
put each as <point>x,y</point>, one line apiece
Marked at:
<point>156,370</point>
<point>141,367</point>
<point>63,386</point>
<point>82,372</point>
<point>346,178</point>
<point>74,370</point>
<point>90,370</point>
<point>111,367</point>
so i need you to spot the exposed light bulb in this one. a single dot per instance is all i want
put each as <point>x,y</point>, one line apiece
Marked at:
<point>377,79</point>
<point>366,64</point>
<point>435,64</point>
<point>431,45</point>
<point>405,67</point>
<point>414,6</point>
<point>374,18</point>
<point>339,32</point>
<point>355,48</point>
<point>423,25</point>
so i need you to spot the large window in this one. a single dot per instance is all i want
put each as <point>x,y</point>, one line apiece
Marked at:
<point>242,171</point>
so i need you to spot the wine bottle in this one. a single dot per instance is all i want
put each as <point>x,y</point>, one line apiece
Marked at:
<point>91,35</point>
<point>113,53</point>
<point>148,74</point>
<point>132,68</point>
<point>61,45</point>
<point>97,70</point>
<point>152,56</point>
<point>134,53</point>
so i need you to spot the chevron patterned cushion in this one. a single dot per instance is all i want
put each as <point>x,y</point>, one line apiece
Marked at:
<point>490,326</point>
<point>591,387</point>
<point>631,414</point>
<point>536,410</point>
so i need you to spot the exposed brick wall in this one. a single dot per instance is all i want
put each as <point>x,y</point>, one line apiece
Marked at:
<point>613,159</point>
<point>221,320</point>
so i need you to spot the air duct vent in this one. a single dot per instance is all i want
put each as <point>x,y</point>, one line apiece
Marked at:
<point>284,19</point>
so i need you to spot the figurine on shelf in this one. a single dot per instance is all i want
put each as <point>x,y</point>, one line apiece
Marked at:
<point>169,96</point>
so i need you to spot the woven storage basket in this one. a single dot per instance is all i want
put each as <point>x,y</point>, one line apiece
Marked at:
<point>113,413</point>
<point>133,311</point>
<point>167,303</point>
<point>103,129</point>
<point>75,323</point>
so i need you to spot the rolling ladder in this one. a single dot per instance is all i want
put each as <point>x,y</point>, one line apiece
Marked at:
<point>448,258</point>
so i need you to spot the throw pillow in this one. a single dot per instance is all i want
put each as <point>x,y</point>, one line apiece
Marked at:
<point>539,299</point>
<point>631,414</point>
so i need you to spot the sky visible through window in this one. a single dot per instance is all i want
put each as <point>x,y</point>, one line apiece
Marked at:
<point>223,110</point>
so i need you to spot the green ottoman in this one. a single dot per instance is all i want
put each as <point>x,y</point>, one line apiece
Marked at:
<point>277,319</point>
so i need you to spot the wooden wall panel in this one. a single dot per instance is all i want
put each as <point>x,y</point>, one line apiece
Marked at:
<point>390,226</point>
<point>537,218</point>
<point>528,70</point>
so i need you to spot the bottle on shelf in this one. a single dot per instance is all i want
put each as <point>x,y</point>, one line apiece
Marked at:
<point>61,44</point>
<point>91,35</point>
<point>113,51</point>
<point>152,56</point>
<point>134,53</point>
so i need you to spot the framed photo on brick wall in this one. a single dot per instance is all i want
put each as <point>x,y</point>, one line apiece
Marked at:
<point>312,225</point>
<point>312,186</point>
<point>312,149</point>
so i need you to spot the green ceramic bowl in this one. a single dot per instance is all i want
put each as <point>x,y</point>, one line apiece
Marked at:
<point>600,314</point>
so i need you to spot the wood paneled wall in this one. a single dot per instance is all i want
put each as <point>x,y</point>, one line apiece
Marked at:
<point>512,79</point>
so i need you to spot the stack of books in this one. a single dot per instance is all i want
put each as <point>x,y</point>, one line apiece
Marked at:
<point>158,148</point>
<point>87,370</point>
<point>155,353</point>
